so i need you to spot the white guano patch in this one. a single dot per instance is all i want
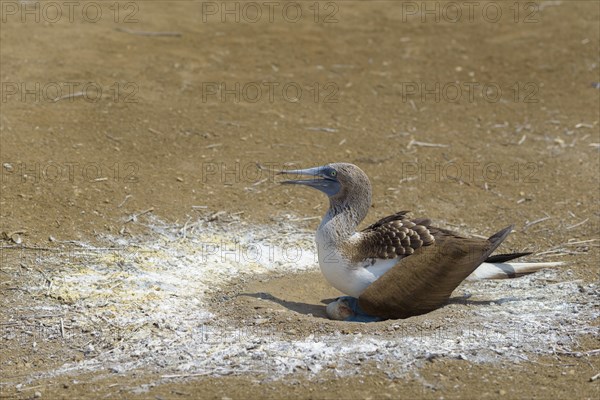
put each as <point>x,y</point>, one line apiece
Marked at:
<point>144,303</point>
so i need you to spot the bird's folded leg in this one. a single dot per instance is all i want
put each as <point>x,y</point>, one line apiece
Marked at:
<point>347,309</point>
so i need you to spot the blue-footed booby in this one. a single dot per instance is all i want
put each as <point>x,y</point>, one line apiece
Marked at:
<point>397,267</point>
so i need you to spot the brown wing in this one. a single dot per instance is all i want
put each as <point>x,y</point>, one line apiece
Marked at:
<point>393,236</point>
<point>423,282</point>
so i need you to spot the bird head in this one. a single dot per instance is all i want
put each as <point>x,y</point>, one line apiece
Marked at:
<point>343,183</point>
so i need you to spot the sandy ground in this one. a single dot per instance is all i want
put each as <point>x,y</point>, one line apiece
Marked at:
<point>478,123</point>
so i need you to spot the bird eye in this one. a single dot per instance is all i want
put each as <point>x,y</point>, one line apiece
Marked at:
<point>333,173</point>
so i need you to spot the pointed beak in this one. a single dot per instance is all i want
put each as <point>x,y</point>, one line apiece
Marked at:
<point>316,172</point>
<point>321,180</point>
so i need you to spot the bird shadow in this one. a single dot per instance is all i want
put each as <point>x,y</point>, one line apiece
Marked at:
<point>318,311</point>
<point>299,307</point>
<point>465,301</point>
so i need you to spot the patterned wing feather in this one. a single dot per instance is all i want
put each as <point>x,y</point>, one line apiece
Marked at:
<point>389,218</point>
<point>394,236</point>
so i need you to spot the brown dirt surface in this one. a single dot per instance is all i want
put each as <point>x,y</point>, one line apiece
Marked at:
<point>517,143</point>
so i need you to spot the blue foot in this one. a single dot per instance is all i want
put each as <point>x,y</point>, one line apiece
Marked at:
<point>346,308</point>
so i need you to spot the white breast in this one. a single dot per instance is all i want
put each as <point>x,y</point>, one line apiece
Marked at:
<point>349,278</point>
